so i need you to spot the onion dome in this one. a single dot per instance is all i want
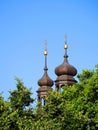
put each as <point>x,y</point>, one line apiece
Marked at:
<point>45,80</point>
<point>65,68</point>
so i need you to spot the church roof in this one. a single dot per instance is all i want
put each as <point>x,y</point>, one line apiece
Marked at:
<point>65,68</point>
<point>45,79</point>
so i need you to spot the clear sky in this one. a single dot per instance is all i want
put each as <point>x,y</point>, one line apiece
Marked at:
<point>25,24</point>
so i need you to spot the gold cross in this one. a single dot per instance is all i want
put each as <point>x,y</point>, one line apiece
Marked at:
<point>45,44</point>
<point>65,38</point>
<point>45,49</point>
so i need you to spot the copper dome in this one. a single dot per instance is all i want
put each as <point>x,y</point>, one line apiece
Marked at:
<point>65,68</point>
<point>45,80</point>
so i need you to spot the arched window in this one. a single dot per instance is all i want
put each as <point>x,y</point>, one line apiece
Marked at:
<point>43,102</point>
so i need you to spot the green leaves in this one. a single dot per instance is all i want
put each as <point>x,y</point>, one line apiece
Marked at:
<point>20,98</point>
<point>74,108</point>
<point>17,113</point>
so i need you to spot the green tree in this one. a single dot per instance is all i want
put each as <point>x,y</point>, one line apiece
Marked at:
<point>17,113</point>
<point>4,112</point>
<point>21,97</point>
<point>75,108</point>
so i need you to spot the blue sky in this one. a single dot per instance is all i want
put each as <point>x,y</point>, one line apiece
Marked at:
<point>25,24</point>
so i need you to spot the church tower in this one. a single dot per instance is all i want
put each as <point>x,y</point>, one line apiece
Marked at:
<point>45,82</point>
<point>65,72</point>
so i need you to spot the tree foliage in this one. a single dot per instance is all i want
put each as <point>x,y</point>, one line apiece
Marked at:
<point>17,113</point>
<point>74,108</point>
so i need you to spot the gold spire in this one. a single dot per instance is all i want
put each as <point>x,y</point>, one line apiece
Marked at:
<point>45,48</point>
<point>65,42</point>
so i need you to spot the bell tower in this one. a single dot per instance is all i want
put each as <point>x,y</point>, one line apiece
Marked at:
<point>65,72</point>
<point>45,82</point>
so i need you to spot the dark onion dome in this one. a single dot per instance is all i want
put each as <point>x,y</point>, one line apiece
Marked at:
<point>65,68</point>
<point>45,80</point>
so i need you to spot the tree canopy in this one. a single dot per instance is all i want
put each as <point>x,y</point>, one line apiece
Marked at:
<point>74,108</point>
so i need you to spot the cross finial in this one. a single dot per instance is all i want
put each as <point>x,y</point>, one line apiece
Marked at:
<point>65,42</point>
<point>45,44</point>
<point>65,38</point>
<point>45,47</point>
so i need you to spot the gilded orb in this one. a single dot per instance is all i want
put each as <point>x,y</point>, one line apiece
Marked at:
<point>45,52</point>
<point>65,46</point>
